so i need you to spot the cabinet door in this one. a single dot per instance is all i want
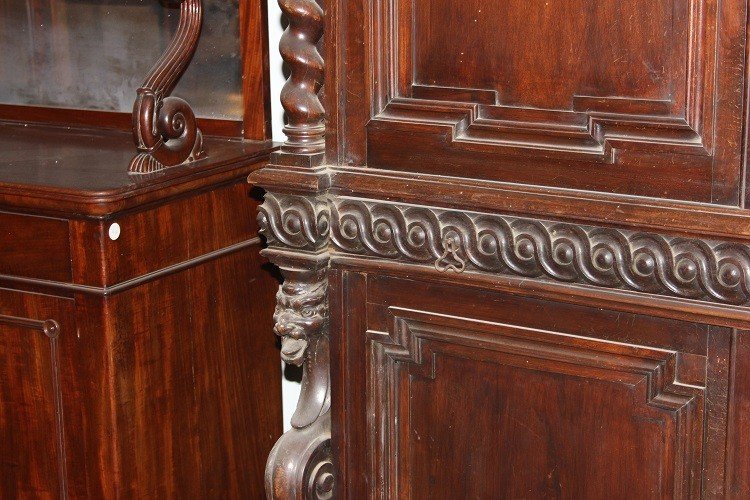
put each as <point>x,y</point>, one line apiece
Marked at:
<point>32,437</point>
<point>622,96</point>
<point>491,395</point>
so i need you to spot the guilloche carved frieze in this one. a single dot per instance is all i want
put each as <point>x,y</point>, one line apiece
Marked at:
<point>295,222</point>
<point>455,241</point>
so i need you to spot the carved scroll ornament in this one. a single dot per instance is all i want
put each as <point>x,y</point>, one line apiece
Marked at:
<point>713,271</point>
<point>164,127</point>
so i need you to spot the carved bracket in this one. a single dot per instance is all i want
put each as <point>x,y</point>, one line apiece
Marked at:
<point>164,127</point>
<point>296,230</point>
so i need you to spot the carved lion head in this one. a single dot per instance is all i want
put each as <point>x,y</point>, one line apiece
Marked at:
<point>301,314</point>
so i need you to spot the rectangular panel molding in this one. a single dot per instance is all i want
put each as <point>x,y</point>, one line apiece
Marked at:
<point>606,91</point>
<point>645,403</point>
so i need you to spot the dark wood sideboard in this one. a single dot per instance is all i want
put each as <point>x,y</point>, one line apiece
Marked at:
<point>137,358</point>
<point>516,247</point>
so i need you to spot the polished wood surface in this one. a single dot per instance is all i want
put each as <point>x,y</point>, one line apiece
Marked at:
<point>655,113</point>
<point>165,129</point>
<point>83,172</point>
<point>296,228</point>
<point>138,362</point>
<point>559,388</point>
<point>538,246</point>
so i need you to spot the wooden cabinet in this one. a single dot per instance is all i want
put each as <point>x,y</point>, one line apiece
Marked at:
<point>531,222</point>
<point>631,97</point>
<point>36,332</point>
<point>137,357</point>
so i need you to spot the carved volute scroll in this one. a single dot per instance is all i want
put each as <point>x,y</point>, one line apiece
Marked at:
<point>305,128</point>
<point>164,127</point>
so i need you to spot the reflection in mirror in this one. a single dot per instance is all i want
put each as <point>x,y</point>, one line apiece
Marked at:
<point>93,54</point>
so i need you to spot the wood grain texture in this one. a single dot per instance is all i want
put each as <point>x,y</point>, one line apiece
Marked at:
<point>168,387</point>
<point>256,88</point>
<point>155,239</point>
<point>455,132</point>
<point>210,382</point>
<point>35,334</point>
<point>738,448</point>
<point>82,173</point>
<point>449,382</point>
<point>27,242</point>
<point>483,106</point>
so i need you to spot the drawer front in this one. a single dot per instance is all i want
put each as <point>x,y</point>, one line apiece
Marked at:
<point>497,395</point>
<point>167,235</point>
<point>34,247</point>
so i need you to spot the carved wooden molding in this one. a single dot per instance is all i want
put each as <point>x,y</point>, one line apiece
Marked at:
<point>715,271</point>
<point>296,229</point>
<point>593,128</point>
<point>416,340</point>
<point>51,329</point>
<point>296,222</point>
<point>164,127</point>
<point>305,128</point>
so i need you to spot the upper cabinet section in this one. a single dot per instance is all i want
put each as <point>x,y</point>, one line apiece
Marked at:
<point>634,97</point>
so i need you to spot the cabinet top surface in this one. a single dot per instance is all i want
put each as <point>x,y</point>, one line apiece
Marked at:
<point>41,165</point>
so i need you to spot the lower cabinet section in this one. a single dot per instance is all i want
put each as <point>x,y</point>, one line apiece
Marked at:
<point>32,438</point>
<point>169,389</point>
<point>486,394</point>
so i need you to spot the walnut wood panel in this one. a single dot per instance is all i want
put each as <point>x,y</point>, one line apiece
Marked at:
<point>154,239</point>
<point>498,395</point>
<point>83,173</point>
<point>182,358</point>
<point>26,243</point>
<point>738,449</point>
<point>167,389</point>
<point>657,112</point>
<point>33,458</point>
<point>169,383</point>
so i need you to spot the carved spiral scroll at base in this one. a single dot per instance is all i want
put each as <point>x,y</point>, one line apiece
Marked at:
<point>165,130</point>
<point>300,464</point>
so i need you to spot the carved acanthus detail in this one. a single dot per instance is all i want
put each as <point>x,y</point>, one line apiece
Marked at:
<point>605,257</point>
<point>164,127</point>
<point>305,128</point>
